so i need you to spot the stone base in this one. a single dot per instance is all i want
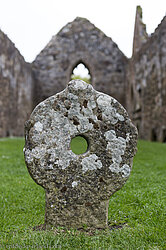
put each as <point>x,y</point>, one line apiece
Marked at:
<point>77,216</point>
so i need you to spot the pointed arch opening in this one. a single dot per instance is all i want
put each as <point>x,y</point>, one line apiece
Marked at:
<point>82,72</point>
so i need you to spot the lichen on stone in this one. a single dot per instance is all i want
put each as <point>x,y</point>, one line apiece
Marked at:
<point>109,112</point>
<point>91,163</point>
<point>38,126</point>
<point>79,186</point>
<point>74,184</point>
<point>116,147</point>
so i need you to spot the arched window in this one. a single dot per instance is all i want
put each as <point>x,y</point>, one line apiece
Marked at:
<point>80,71</point>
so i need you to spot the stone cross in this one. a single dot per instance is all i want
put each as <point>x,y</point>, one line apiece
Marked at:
<point>78,186</point>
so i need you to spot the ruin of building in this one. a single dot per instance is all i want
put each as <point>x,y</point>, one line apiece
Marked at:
<point>138,83</point>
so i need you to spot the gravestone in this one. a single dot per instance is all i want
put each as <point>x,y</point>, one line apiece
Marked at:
<point>78,186</point>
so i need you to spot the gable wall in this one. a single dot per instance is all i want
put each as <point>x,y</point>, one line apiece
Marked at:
<point>80,41</point>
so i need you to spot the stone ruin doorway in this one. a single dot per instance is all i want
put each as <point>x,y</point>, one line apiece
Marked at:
<point>81,71</point>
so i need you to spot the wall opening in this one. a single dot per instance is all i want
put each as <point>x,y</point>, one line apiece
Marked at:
<point>80,71</point>
<point>132,94</point>
<point>139,90</point>
<point>153,135</point>
<point>164,135</point>
<point>7,133</point>
<point>138,126</point>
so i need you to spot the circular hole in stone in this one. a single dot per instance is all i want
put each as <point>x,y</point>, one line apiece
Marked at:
<point>79,145</point>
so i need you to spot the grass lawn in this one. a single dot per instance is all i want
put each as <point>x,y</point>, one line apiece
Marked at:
<point>140,205</point>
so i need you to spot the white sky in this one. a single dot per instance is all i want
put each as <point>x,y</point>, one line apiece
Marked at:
<point>30,24</point>
<point>82,71</point>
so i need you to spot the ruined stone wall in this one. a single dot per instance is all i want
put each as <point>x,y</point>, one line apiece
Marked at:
<point>80,42</point>
<point>139,84</point>
<point>140,34</point>
<point>15,89</point>
<point>147,86</point>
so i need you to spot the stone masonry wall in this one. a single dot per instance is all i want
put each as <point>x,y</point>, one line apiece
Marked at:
<point>147,86</point>
<point>140,34</point>
<point>15,89</point>
<point>138,83</point>
<point>80,42</point>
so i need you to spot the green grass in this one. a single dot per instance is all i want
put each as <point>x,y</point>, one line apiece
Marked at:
<point>79,145</point>
<point>85,79</point>
<point>140,204</point>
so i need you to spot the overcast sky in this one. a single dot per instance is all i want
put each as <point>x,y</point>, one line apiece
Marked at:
<point>30,24</point>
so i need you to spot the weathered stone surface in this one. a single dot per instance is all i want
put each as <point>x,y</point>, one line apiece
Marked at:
<point>80,42</point>
<point>140,34</point>
<point>78,187</point>
<point>16,89</point>
<point>146,95</point>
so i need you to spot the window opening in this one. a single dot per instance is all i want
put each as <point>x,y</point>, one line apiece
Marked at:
<point>81,72</point>
<point>154,135</point>
<point>164,135</point>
